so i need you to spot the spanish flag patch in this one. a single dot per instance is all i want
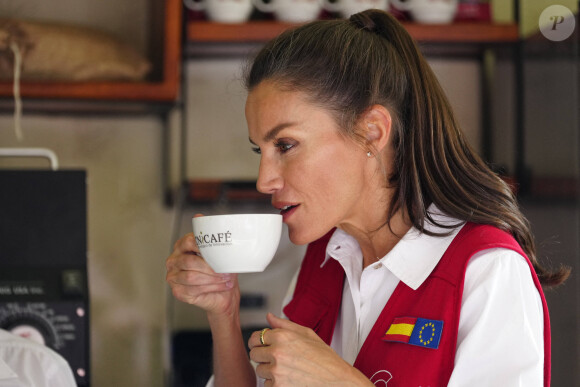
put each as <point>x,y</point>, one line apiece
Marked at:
<point>416,331</point>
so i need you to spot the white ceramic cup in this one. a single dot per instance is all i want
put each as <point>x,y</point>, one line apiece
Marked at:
<point>293,11</point>
<point>348,7</point>
<point>238,243</point>
<point>428,11</point>
<point>223,11</point>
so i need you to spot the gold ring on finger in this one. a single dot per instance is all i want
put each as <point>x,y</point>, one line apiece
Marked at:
<point>262,332</point>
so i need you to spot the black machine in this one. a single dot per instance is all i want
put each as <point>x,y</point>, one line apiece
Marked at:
<point>43,261</point>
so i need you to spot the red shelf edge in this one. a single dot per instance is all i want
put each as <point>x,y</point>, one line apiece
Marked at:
<point>259,31</point>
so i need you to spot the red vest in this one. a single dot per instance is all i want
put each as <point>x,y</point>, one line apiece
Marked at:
<point>317,300</point>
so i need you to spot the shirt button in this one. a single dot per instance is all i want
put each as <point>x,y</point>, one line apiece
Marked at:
<point>378,266</point>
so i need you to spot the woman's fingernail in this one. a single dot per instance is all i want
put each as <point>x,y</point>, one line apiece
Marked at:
<point>229,284</point>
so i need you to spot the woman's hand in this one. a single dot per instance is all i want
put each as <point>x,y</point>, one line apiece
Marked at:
<point>193,281</point>
<point>295,356</point>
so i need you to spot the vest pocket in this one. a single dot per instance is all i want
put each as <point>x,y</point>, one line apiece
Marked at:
<point>309,310</point>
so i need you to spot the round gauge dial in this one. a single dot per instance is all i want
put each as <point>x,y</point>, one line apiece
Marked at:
<point>30,324</point>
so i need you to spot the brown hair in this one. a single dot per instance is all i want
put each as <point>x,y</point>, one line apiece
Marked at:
<point>346,66</point>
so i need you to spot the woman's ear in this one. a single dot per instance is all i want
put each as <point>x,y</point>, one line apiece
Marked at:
<point>377,124</point>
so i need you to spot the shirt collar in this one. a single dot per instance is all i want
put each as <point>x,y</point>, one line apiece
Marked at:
<point>412,259</point>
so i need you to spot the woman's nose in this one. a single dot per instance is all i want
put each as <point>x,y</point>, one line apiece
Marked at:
<point>269,176</point>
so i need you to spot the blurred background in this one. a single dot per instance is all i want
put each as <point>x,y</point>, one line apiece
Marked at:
<point>156,122</point>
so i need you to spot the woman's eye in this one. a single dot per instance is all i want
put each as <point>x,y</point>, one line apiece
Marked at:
<point>283,147</point>
<point>257,150</point>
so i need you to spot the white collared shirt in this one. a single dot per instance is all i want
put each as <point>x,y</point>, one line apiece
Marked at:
<point>25,363</point>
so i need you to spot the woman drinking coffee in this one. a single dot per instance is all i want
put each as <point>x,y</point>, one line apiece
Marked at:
<point>420,269</point>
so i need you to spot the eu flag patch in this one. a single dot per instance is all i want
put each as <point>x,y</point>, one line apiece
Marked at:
<point>416,331</point>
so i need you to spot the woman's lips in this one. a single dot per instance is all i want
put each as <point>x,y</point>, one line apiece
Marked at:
<point>287,211</point>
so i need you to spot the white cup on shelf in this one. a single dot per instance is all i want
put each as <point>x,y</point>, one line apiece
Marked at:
<point>345,8</point>
<point>223,11</point>
<point>293,11</point>
<point>428,11</point>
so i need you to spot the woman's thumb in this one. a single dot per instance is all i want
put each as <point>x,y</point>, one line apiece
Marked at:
<point>278,322</point>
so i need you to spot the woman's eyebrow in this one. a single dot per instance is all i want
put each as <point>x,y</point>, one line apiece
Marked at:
<point>272,133</point>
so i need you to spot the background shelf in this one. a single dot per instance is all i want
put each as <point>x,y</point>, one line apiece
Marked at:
<point>259,31</point>
<point>164,89</point>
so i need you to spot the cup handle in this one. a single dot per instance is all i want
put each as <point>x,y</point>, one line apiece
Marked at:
<point>401,5</point>
<point>194,5</point>
<point>331,7</point>
<point>264,7</point>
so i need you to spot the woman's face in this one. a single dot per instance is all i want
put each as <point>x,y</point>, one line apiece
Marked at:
<point>317,177</point>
